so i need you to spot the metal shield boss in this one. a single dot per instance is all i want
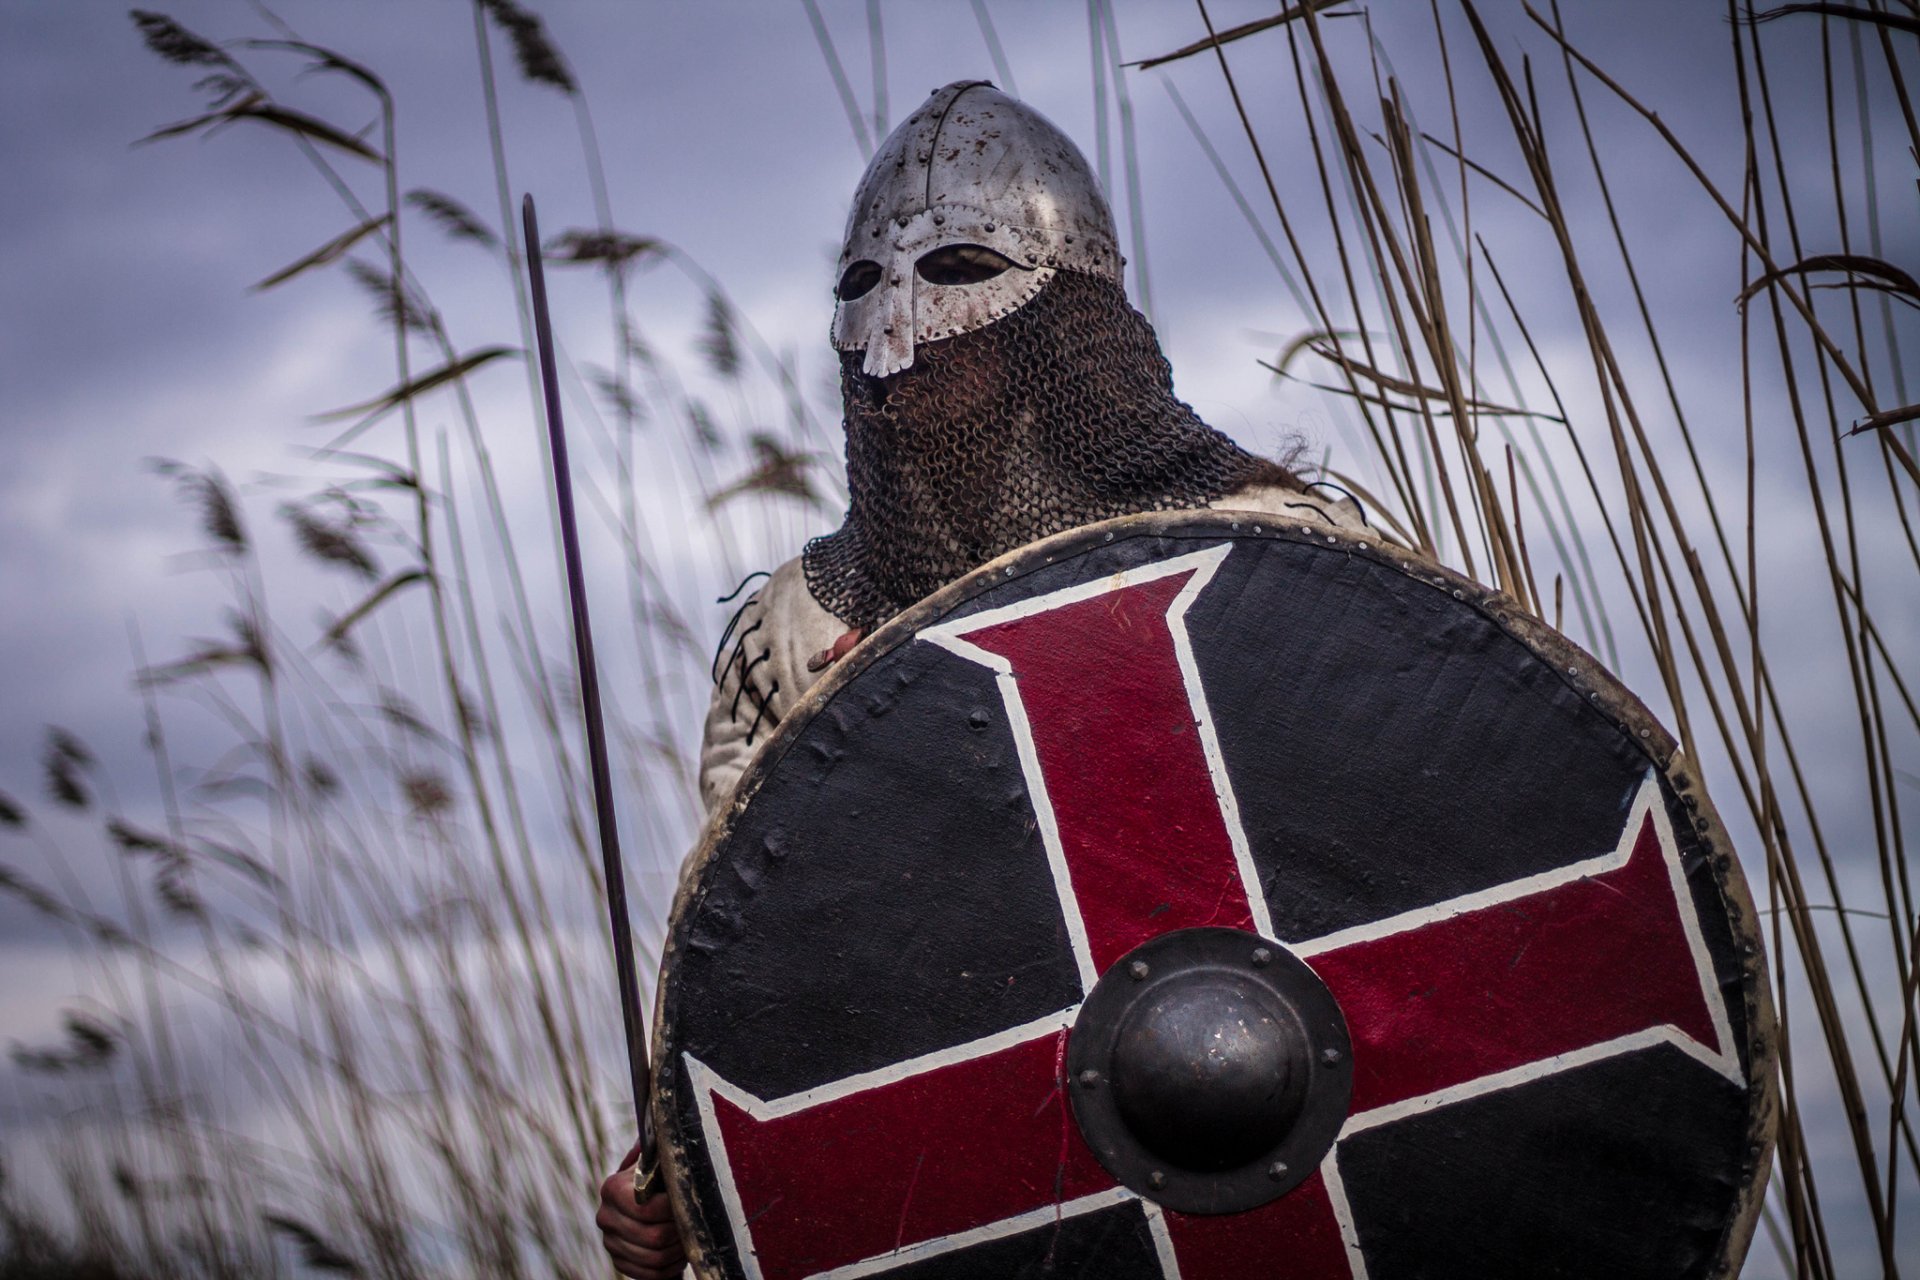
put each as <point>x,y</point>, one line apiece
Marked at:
<point>1213,896</point>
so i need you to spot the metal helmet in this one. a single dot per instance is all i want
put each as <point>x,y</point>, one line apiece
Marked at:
<point>964,214</point>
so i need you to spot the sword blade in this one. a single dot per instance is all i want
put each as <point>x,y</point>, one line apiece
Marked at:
<point>641,1077</point>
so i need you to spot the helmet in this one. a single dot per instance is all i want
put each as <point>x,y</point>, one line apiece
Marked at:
<point>964,214</point>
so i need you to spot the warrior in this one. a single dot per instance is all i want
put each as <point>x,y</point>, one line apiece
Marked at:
<point>998,388</point>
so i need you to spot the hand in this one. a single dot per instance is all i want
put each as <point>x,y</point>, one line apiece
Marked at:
<point>640,1236</point>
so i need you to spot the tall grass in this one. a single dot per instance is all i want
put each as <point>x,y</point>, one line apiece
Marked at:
<point>373,915</point>
<point>1414,323</point>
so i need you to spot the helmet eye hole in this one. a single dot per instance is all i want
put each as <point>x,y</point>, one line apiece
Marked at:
<point>857,280</point>
<point>961,264</point>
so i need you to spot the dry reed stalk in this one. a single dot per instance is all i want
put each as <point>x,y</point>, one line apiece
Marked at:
<point>431,1029</point>
<point>1702,630</point>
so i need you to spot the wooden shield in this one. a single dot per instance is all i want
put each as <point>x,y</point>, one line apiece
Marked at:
<point>1214,896</point>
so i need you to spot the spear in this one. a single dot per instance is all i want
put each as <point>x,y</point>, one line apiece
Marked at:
<point>641,1077</point>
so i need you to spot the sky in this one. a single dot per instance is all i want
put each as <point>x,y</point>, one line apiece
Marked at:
<point>130,331</point>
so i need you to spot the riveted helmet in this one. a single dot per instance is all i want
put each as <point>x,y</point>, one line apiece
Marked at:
<point>998,386</point>
<point>966,212</point>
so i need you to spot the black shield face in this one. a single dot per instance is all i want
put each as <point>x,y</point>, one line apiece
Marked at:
<point>1187,896</point>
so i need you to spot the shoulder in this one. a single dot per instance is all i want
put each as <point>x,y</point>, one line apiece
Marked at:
<point>1339,510</point>
<point>798,628</point>
<point>786,600</point>
<point>762,668</point>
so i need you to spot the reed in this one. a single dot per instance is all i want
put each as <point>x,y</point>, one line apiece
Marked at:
<point>1667,566</point>
<point>377,907</point>
<point>366,905</point>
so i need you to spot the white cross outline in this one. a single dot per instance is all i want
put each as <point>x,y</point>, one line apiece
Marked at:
<point>952,637</point>
<point>1647,802</point>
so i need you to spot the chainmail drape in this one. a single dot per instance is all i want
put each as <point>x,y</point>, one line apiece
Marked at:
<point>1059,415</point>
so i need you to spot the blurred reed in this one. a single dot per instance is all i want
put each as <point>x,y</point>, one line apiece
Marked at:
<point>377,909</point>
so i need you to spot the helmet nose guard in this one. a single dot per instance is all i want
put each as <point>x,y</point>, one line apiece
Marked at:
<point>971,167</point>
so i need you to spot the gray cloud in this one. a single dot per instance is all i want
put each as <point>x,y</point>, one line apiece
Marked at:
<point>128,332</point>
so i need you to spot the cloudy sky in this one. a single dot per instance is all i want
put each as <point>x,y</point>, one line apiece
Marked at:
<point>129,331</point>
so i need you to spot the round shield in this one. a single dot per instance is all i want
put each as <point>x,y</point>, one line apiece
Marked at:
<point>1218,897</point>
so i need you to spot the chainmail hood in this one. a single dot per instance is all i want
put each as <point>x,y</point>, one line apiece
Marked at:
<point>1058,415</point>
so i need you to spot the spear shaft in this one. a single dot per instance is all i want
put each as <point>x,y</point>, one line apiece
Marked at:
<point>590,703</point>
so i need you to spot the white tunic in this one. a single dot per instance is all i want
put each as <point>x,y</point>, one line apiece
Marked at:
<point>783,627</point>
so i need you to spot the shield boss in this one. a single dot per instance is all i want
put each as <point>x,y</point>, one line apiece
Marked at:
<point>1207,896</point>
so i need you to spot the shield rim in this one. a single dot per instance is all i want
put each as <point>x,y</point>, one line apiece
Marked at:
<point>1571,664</point>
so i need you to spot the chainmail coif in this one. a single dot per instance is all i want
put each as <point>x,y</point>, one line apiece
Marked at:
<point>1059,415</point>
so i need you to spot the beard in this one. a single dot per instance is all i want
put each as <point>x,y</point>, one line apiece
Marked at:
<point>1058,415</point>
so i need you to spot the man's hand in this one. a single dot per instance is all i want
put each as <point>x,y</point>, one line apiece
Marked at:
<point>640,1236</point>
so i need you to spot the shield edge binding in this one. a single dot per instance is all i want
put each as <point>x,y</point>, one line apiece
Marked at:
<point>1571,664</point>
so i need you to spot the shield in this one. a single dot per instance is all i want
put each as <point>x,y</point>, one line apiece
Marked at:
<point>1213,896</point>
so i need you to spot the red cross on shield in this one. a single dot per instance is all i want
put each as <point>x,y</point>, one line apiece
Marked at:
<point>1599,957</point>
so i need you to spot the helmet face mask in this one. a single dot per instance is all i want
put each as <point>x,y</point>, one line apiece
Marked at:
<point>964,214</point>
<point>1043,402</point>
